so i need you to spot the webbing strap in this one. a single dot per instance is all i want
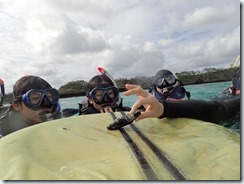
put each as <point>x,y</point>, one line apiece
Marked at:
<point>147,169</point>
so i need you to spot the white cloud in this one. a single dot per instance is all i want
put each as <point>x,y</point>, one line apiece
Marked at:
<point>150,47</point>
<point>225,45</point>
<point>165,42</point>
<point>202,17</point>
<point>62,40</point>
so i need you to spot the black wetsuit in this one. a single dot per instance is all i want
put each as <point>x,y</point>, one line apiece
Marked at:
<point>213,111</point>
<point>11,120</point>
<point>2,94</point>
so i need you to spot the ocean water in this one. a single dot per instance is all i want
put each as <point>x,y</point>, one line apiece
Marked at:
<point>198,91</point>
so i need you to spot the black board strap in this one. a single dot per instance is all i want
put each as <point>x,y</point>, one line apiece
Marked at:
<point>147,169</point>
<point>175,172</point>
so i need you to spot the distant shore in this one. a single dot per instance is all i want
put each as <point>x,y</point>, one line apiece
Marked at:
<point>68,95</point>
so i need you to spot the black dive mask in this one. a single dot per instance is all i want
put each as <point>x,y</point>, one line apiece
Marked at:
<point>105,96</point>
<point>37,99</point>
<point>167,81</point>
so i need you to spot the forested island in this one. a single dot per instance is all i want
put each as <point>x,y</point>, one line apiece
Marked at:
<point>208,75</point>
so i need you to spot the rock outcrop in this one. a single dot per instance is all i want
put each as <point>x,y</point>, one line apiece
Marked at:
<point>235,62</point>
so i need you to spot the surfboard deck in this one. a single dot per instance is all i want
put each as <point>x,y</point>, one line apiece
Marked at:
<point>82,148</point>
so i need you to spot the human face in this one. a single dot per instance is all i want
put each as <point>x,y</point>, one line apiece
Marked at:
<point>162,82</point>
<point>234,92</point>
<point>40,98</point>
<point>104,95</point>
<point>32,117</point>
<point>100,108</point>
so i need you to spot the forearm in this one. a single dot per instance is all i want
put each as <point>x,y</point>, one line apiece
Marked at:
<point>206,110</point>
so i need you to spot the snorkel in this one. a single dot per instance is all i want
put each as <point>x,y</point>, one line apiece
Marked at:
<point>2,94</point>
<point>47,116</point>
<point>104,72</point>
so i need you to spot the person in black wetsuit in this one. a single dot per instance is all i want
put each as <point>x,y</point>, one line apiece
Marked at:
<point>2,92</point>
<point>102,96</point>
<point>235,88</point>
<point>34,102</point>
<point>207,110</point>
<point>167,87</point>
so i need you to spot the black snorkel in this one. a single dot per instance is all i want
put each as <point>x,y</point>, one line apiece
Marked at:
<point>47,116</point>
<point>104,72</point>
<point>2,94</point>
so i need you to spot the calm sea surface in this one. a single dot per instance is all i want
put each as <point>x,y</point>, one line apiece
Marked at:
<point>198,91</point>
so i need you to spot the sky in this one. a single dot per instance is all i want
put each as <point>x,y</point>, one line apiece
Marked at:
<point>66,40</point>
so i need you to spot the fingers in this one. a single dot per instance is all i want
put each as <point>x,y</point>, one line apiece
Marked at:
<point>145,101</point>
<point>144,115</point>
<point>136,105</point>
<point>106,109</point>
<point>135,89</point>
<point>130,86</point>
<point>153,108</point>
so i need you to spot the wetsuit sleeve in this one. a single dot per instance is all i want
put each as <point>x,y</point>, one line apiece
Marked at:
<point>206,110</point>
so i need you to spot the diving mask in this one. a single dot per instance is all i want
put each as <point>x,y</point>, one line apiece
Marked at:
<point>39,98</point>
<point>108,95</point>
<point>162,82</point>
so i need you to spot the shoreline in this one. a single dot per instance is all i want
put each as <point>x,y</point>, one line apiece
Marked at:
<point>68,95</point>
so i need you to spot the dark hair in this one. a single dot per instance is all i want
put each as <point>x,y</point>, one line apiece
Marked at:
<point>27,83</point>
<point>163,73</point>
<point>99,81</point>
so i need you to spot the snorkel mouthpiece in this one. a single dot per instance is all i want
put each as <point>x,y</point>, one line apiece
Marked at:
<point>166,90</point>
<point>124,120</point>
<point>113,106</point>
<point>47,116</point>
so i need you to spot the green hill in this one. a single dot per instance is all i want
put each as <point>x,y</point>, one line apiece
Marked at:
<point>78,88</point>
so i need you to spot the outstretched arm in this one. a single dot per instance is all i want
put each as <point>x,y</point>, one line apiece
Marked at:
<point>206,110</point>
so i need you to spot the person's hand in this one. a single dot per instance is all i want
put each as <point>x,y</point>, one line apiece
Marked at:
<point>106,109</point>
<point>153,108</point>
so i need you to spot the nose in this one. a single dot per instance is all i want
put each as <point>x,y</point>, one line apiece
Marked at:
<point>106,98</point>
<point>46,102</point>
<point>164,82</point>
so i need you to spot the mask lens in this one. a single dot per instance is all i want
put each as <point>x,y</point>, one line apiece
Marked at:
<point>162,82</point>
<point>170,80</point>
<point>98,94</point>
<point>112,93</point>
<point>159,81</point>
<point>35,97</point>
<point>52,95</point>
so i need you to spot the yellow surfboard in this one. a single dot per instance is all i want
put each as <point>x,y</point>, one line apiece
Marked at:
<point>82,148</point>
